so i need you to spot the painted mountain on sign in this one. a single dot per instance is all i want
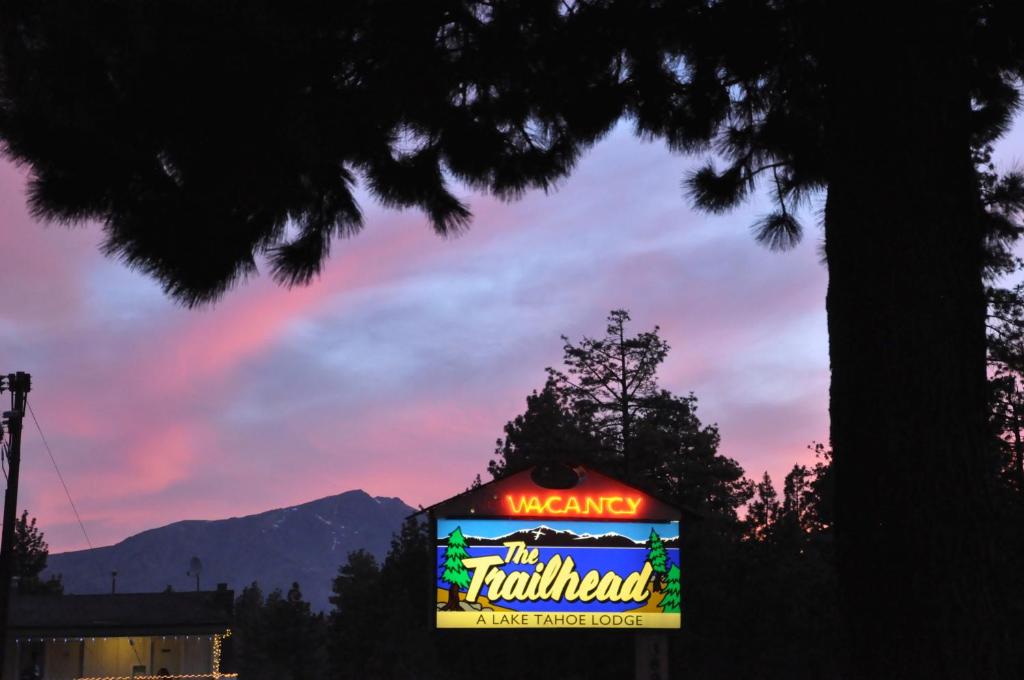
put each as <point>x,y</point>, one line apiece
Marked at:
<point>545,536</point>
<point>305,543</point>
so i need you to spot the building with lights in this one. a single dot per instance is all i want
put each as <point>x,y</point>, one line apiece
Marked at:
<point>130,636</point>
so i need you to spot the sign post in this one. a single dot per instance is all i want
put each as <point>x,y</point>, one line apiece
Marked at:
<point>651,656</point>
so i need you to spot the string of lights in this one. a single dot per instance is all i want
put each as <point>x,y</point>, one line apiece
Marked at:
<point>103,639</point>
<point>217,641</point>
<point>188,676</point>
<point>214,674</point>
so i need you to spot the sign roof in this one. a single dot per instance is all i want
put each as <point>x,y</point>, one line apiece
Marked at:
<point>594,495</point>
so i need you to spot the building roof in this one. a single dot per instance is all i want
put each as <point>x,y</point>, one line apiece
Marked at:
<point>121,614</point>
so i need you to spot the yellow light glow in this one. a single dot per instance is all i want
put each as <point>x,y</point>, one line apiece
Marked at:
<point>161,677</point>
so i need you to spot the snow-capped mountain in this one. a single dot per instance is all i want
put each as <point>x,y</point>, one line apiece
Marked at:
<point>543,535</point>
<point>304,543</point>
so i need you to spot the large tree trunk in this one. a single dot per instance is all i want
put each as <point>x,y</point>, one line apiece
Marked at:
<point>907,346</point>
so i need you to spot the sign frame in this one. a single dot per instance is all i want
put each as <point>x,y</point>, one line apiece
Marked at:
<point>500,500</point>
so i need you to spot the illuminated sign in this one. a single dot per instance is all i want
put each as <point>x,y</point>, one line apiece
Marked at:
<point>556,546</point>
<point>562,573</point>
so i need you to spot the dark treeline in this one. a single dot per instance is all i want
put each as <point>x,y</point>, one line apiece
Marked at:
<point>758,585</point>
<point>759,589</point>
<point>30,554</point>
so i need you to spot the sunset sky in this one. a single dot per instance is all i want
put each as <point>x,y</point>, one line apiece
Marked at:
<point>397,369</point>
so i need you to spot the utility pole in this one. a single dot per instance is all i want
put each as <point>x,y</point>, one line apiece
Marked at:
<point>19,385</point>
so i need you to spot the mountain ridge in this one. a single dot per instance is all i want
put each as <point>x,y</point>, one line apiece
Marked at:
<point>304,543</point>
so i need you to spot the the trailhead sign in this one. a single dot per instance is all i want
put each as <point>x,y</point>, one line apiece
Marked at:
<point>596,553</point>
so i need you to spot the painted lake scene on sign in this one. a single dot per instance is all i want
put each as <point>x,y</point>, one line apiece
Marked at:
<point>499,573</point>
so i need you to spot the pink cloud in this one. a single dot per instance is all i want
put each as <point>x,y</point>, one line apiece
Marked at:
<point>143,411</point>
<point>42,265</point>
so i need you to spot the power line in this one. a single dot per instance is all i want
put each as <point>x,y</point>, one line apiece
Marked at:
<point>59,475</point>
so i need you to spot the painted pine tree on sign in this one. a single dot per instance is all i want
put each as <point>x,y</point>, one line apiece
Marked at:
<point>454,572</point>
<point>658,558</point>
<point>670,602</point>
